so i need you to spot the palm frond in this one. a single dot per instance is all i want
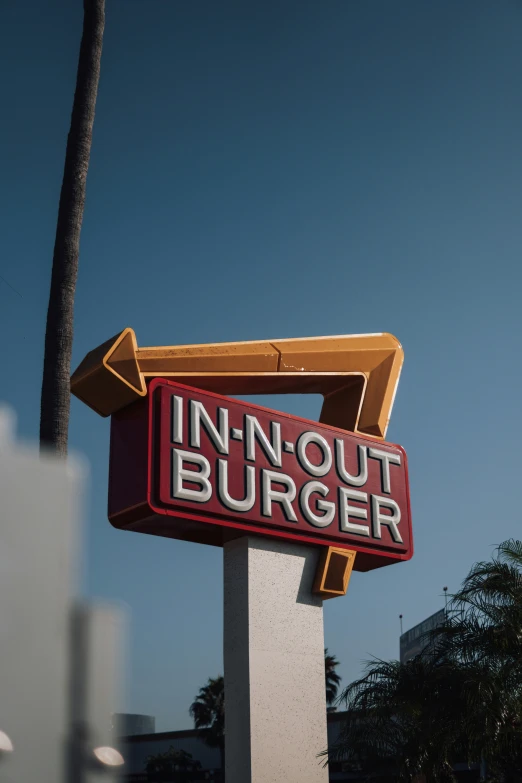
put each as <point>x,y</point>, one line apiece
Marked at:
<point>460,699</point>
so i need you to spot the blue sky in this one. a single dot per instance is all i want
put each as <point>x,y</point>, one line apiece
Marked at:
<point>267,170</point>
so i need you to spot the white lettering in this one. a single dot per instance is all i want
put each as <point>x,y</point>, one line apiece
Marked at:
<point>250,488</point>
<point>386,459</point>
<point>218,435</point>
<point>302,443</point>
<point>201,477</point>
<point>176,417</point>
<point>391,520</point>
<point>362,457</point>
<point>322,520</point>
<point>269,495</point>
<point>272,449</point>
<point>346,511</point>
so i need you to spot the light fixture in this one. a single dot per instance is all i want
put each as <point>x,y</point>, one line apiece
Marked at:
<point>6,746</point>
<point>110,757</point>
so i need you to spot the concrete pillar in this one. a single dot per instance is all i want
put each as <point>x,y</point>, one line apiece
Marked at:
<point>59,680</point>
<point>39,528</point>
<point>274,664</point>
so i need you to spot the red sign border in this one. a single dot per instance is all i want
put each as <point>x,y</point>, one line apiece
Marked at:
<point>388,556</point>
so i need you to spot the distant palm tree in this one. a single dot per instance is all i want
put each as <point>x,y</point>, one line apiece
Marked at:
<point>208,711</point>
<point>55,396</point>
<point>332,678</point>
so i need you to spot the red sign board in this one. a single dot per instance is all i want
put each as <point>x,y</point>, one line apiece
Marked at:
<point>201,467</point>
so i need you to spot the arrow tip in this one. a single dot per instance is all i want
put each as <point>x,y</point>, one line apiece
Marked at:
<point>109,378</point>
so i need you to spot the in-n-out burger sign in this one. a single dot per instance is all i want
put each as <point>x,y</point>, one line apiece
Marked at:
<point>198,466</point>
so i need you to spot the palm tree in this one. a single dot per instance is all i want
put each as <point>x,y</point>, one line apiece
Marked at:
<point>460,700</point>
<point>55,395</point>
<point>208,711</point>
<point>403,720</point>
<point>483,635</point>
<point>332,678</point>
<point>485,623</point>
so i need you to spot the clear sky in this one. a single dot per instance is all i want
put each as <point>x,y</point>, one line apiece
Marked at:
<point>281,169</point>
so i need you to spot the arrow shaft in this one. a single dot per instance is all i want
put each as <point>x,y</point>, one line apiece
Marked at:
<point>356,374</point>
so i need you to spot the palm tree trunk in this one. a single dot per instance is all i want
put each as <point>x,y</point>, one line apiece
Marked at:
<point>55,397</point>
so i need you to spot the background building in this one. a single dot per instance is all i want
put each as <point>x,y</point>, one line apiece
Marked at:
<point>137,749</point>
<point>414,641</point>
<point>126,724</point>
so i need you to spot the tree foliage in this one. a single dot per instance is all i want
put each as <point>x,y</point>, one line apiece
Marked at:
<point>174,766</point>
<point>458,701</point>
<point>208,712</point>
<point>332,678</point>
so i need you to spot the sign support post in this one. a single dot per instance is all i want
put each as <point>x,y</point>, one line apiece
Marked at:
<point>274,663</point>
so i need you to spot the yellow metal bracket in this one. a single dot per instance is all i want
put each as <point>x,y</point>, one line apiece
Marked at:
<point>333,572</point>
<point>356,374</point>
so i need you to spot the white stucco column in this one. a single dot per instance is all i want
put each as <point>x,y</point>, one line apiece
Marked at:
<point>274,663</point>
<point>61,661</point>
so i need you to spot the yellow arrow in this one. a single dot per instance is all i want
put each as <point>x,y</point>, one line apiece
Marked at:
<point>356,374</point>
